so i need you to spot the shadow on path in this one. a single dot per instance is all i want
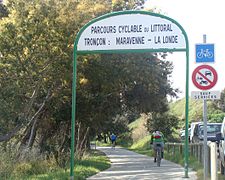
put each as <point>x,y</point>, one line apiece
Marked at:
<point>129,165</point>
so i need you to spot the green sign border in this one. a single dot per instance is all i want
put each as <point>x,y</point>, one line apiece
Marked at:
<point>76,52</point>
<point>128,50</point>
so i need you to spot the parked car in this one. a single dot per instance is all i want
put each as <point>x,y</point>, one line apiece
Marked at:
<point>193,125</point>
<point>221,147</point>
<point>182,134</point>
<point>212,130</point>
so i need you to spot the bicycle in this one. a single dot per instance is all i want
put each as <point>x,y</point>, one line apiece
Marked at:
<point>158,154</point>
<point>204,54</point>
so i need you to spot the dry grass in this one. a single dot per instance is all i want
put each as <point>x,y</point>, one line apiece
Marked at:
<point>139,130</point>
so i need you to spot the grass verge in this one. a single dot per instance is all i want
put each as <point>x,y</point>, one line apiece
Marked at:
<point>91,164</point>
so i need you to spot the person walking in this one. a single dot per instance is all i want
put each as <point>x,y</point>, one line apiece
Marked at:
<point>113,138</point>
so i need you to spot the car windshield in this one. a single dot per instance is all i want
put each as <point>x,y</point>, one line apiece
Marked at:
<point>211,128</point>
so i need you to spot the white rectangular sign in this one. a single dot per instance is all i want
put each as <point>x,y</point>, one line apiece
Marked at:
<point>131,31</point>
<point>205,95</point>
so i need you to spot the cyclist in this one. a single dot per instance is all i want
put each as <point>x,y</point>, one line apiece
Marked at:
<point>113,139</point>
<point>157,138</point>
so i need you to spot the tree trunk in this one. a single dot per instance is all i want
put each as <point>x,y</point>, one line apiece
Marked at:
<point>105,138</point>
<point>78,137</point>
<point>32,134</point>
<point>83,144</point>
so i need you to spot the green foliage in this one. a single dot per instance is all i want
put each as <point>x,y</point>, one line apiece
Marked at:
<point>147,94</point>
<point>31,168</point>
<point>142,144</point>
<point>221,102</point>
<point>23,169</point>
<point>125,139</point>
<point>6,165</point>
<point>35,59</point>
<point>41,169</point>
<point>135,124</point>
<point>119,5</point>
<point>112,89</point>
<point>178,158</point>
<point>92,165</point>
<point>165,123</point>
<point>36,45</point>
<point>196,110</point>
<point>216,117</point>
<point>138,128</point>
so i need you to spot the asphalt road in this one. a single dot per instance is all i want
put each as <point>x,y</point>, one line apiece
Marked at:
<point>128,165</point>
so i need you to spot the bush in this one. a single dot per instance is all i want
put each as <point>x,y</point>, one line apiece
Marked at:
<point>28,163</point>
<point>22,169</point>
<point>31,168</point>
<point>142,144</point>
<point>124,140</point>
<point>36,167</point>
<point>6,164</point>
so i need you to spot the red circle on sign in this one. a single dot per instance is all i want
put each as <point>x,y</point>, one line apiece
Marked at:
<point>201,80</point>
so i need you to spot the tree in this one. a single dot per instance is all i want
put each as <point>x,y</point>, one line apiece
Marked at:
<point>221,102</point>
<point>217,112</point>
<point>36,47</point>
<point>163,122</point>
<point>119,84</point>
<point>36,67</point>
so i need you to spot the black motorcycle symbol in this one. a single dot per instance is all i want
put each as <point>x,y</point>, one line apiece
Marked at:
<point>202,80</point>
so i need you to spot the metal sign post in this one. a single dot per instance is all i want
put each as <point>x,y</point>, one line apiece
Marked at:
<point>205,131</point>
<point>204,77</point>
<point>205,140</point>
<point>130,32</point>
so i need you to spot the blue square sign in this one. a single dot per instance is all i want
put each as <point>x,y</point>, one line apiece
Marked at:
<point>204,53</point>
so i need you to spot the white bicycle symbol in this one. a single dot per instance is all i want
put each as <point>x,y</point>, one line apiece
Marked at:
<point>204,54</point>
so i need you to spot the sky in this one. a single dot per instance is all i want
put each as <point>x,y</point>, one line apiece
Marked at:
<point>197,17</point>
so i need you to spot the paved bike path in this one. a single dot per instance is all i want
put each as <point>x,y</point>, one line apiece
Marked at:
<point>128,165</point>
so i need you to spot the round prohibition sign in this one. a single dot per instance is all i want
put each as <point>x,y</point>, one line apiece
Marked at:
<point>204,77</point>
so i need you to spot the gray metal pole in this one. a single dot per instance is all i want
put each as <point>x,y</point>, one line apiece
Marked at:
<point>205,140</point>
<point>205,132</point>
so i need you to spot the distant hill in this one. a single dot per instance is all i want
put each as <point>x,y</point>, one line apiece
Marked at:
<point>140,136</point>
<point>195,110</point>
